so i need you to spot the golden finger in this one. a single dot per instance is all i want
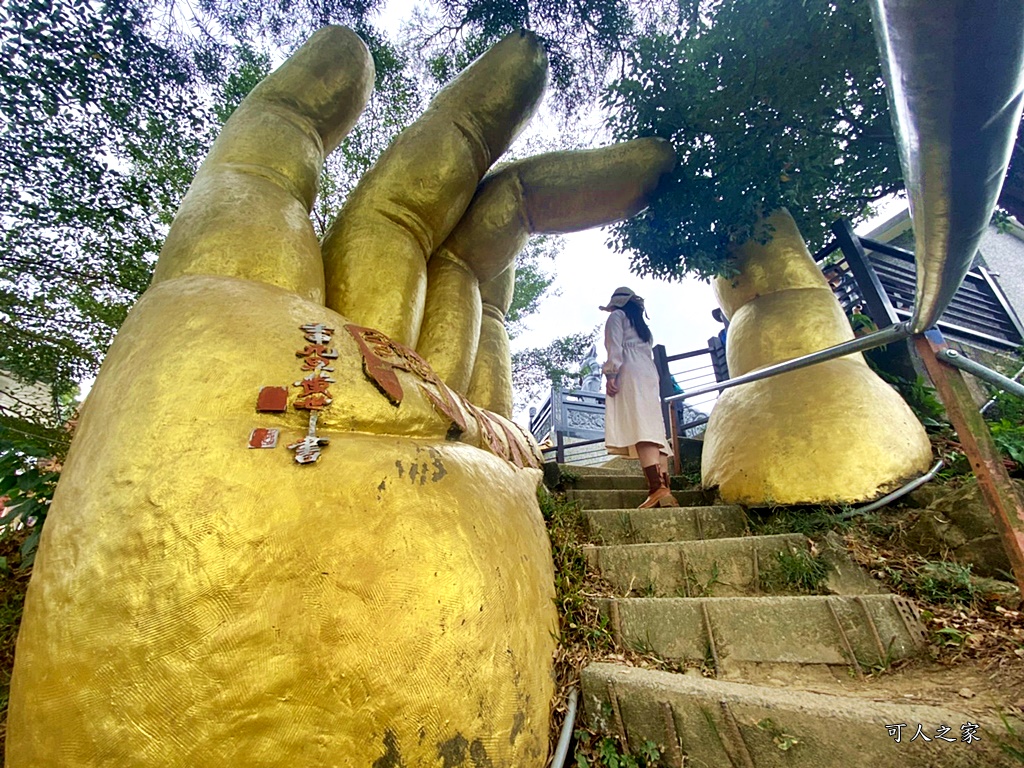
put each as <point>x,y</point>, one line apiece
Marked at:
<point>552,193</point>
<point>452,317</point>
<point>491,384</point>
<point>375,254</point>
<point>246,214</point>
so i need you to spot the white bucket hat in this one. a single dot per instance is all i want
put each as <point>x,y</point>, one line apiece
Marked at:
<point>620,298</point>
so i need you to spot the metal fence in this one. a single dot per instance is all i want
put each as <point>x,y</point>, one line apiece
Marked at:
<point>684,372</point>
<point>569,425</point>
<point>879,280</point>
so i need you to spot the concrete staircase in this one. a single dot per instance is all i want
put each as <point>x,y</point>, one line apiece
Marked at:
<point>772,676</point>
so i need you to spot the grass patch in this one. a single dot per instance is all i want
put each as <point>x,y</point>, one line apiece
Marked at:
<point>940,582</point>
<point>784,741</point>
<point>580,624</point>
<point>690,474</point>
<point>797,570</point>
<point>809,521</point>
<point>1012,743</point>
<point>605,752</point>
<point>583,631</point>
<point>585,634</point>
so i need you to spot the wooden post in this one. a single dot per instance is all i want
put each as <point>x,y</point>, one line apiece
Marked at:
<point>677,459</point>
<point>993,479</point>
<point>716,351</point>
<point>665,388</point>
<point>876,302</point>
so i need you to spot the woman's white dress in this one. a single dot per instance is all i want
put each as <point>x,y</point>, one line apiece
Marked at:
<point>634,414</point>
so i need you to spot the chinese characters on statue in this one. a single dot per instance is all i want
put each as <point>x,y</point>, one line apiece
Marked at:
<point>382,358</point>
<point>315,395</point>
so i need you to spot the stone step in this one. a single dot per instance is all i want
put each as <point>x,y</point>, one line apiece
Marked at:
<point>621,462</point>
<point>645,526</point>
<point>698,721</point>
<point>759,637</point>
<point>619,482</point>
<point>580,470</point>
<point>631,499</point>
<point>726,567</point>
<point>624,481</point>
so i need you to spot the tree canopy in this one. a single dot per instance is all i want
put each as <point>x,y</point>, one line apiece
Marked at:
<point>99,135</point>
<point>584,40</point>
<point>769,103</point>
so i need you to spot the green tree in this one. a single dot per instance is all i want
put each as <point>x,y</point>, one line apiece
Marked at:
<point>101,129</point>
<point>264,26</point>
<point>770,103</point>
<point>532,280</point>
<point>585,41</point>
<point>90,106</point>
<point>537,369</point>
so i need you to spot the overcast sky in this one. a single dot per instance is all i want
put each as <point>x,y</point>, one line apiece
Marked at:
<point>587,273</point>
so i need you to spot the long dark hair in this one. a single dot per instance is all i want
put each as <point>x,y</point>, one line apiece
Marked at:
<point>636,318</point>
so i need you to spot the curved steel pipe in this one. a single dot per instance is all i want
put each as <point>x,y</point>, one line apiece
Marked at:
<point>566,735</point>
<point>898,493</point>
<point>955,72</point>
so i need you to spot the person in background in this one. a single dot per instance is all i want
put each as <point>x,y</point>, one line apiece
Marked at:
<point>633,422</point>
<point>720,317</point>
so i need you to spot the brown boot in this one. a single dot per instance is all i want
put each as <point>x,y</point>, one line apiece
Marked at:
<point>658,493</point>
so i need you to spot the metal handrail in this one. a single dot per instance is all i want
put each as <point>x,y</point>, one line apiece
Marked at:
<point>984,373</point>
<point>580,444</point>
<point>861,344</point>
<point>992,400</point>
<point>685,355</point>
<point>888,249</point>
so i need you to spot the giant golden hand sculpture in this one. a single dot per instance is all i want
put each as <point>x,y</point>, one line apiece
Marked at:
<point>376,590</point>
<point>833,432</point>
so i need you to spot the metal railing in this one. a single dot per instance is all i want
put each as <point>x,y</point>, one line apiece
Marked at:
<point>569,424</point>
<point>569,421</point>
<point>861,344</point>
<point>879,279</point>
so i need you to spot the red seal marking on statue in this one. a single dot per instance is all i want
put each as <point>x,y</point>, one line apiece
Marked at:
<point>263,438</point>
<point>272,400</point>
